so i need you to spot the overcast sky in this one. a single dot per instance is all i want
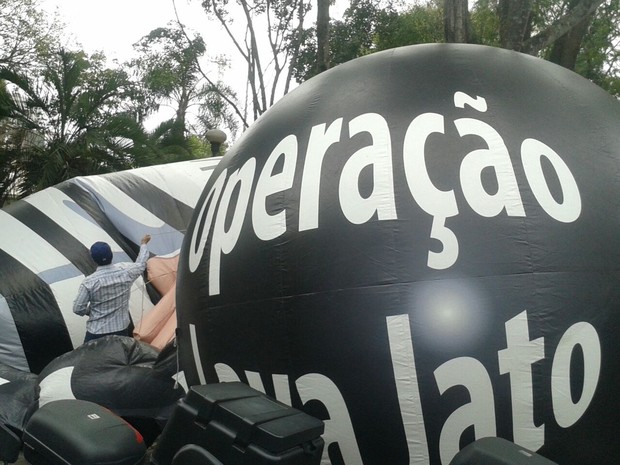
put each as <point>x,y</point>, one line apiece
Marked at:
<point>114,25</point>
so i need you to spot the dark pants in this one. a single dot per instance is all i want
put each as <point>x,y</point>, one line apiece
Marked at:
<point>91,336</point>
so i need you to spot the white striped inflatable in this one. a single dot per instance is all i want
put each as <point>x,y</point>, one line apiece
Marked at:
<point>45,241</point>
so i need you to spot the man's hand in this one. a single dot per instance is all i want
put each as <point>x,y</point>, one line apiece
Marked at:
<point>145,239</point>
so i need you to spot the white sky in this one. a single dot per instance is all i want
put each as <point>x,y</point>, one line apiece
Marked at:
<point>114,25</point>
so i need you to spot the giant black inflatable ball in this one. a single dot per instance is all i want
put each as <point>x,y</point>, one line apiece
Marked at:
<point>420,247</point>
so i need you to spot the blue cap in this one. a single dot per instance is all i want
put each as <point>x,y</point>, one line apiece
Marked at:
<point>101,253</point>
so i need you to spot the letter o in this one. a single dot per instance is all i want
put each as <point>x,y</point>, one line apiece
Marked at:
<point>566,412</point>
<point>203,224</point>
<point>532,151</point>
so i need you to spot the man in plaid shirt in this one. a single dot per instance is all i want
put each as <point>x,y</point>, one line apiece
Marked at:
<point>104,295</point>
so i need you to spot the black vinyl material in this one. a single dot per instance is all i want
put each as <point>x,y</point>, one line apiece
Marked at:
<point>80,432</point>
<point>192,454</point>
<point>10,444</point>
<point>234,424</point>
<point>497,451</point>
<point>419,247</point>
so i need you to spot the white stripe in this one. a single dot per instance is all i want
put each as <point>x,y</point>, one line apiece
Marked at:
<point>184,181</point>
<point>71,217</point>
<point>196,352</point>
<point>130,218</point>
<point>27,247</point>
<point>180,378</point>
<point>11,349</point>
<point>122,202</point>
<point>56,386</point>
<point>36,254</point>
<point>406,377</point>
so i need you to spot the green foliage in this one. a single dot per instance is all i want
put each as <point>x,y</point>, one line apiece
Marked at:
<point>169,73</point>
<point>168,61</point>
<point>485,23</point>
<point>74,113</point>
<point>199,148</point>
<point>372,25</point>
<point>599,58</point>
<point>214,111</point>
<point>418,25</point>
<point>25,33</point>
<point>165,142</point>
<point>351,37</point>
<point>599,55</point>
<point>64,113</point>
<point>369,26</point>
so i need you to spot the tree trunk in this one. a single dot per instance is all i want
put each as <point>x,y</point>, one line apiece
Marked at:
<point>565,50</point>
<point>179,129</point>
<point>456,21</point>
<point>322,36</point>
<point>514,23</point>
<point>582,10</point>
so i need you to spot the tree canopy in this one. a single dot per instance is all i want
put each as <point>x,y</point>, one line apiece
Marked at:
<point>169,73</point>
<point>582,35</point>
<point>69,120</point>
<point>266,42</point>
<point>65,112</point>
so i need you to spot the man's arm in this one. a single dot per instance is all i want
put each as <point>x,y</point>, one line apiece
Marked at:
<point>140,265</point>
<point>80,304</point>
